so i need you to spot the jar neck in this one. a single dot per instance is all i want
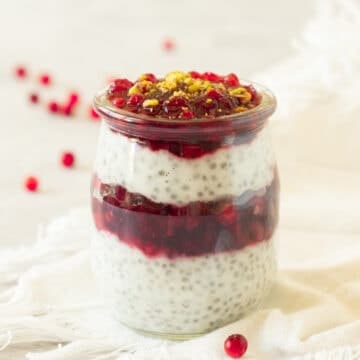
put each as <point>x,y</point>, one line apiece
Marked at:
<point>144,126</point>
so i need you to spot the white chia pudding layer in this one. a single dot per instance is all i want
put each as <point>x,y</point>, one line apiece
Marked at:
<point>164,177</point>
<point>185,295</point>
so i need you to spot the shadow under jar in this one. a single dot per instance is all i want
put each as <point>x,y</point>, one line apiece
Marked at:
<point>185,215</point>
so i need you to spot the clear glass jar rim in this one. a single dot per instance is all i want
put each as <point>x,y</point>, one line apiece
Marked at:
<point>107,110</point>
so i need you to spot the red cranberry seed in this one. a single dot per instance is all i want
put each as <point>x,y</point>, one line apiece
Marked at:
<point>73,98</point>
<point>168,45</point>
<point>21,72</point>
<point>235,346</point>
<point>210,76</point>
<point>135,101</point>
<point>231,80</point>
<point>120,85</point>
<point>149,77</point>
<point>186,115</point>
<point>68,159</point>
<point>31,183</point>
<point>34,98</point>
<point>119,102</point>
<point>45,79</point>
<point>53,106</point>
<point>195,74</point>
<point>67,110</point>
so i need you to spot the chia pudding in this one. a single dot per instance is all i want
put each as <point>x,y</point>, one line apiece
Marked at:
<point>185,201</point>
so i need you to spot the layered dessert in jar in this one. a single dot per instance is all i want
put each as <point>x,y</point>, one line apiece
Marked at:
<point>185,201</point>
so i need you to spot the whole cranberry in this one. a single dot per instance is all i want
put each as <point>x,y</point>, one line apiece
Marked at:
<point>21,72</point>
<point>45,79</point>
<point>135,101</point>
<point>174,105</point>
<point>235,346</point>
<point>34,98</point>
<point>210,76</point>
<point>31,183</point>
<point>255,96</point>
<point>68,159</point>
<point>120,86</point>
<point>73,98</point>
<point>195,74</point>
<point>168,44</point>
<point>186,114</point>
<point>53,106</point>
<point>231,80</point>
<point>119,102</point>
<point>214,94</point>
<point>149,77</point>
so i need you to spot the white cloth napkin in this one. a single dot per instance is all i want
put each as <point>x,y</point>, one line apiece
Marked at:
<point>312,313</point>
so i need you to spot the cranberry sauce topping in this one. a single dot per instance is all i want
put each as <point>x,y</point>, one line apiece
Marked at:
<point>183,95</point>
<point>195,229</point>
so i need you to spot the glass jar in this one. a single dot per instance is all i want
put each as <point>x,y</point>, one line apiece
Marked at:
<point>185,215</point>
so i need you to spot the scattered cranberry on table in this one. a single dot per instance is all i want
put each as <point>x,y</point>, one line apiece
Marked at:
<point>67,110</point>
<point>73,98</point>
<point>53,106</point>
<point>45,79</point>
<point>21,72</point>
<point>34,98</point>
<point>168,45</point>
<point>31,183</point>
<point>235,346</point>
<point>68,159</point>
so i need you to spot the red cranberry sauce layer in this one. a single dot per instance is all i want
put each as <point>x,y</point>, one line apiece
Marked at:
<point>183,95</point>
<point>195,229</point>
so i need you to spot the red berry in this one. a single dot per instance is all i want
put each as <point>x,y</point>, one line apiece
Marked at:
<point>21,72</point>
<point>149,77</point>
<point>231,80</point>
<point>73,98</point>
<point>120,85</point>
<point>210,76</point>
<point>214,94</point>
<point>68,159</point>
<point>195,74</point>
<point>119,102</point>
<point>135,101</point>
<point>186,115</point>
<point>53,106</point>
<point>235,346</point>
<point>168,45</point>
<point>93,114</point>
<point>34,98</point>
<point>175,104</point>
<point>228,215</point>
<point>31,183</point>
<point>45,79</point>
<point>67,109</point>
<point>255,96</point>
